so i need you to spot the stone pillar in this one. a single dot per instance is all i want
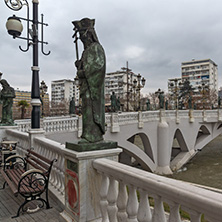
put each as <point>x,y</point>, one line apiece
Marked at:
<point>163,147</point>
<point>140,120</point>
<point>204,116</point>
<point>177,117</point>
<point>115,123</point>
<point>82,185</point>
<point>79,126</point>
<point>191,117</point>
<point>219,115</point>
<point>35,133</point>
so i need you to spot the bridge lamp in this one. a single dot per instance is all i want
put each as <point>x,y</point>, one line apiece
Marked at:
<point>14,26</point>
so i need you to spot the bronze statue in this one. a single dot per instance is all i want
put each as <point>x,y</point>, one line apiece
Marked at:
<point>148,104</point>
<point>118,104</point>
<point>113,102</point>
<point>91,73</point>
<point>72,107</point>
<point>190,102</point>
<point>161,100</point>
<point>6,96</point>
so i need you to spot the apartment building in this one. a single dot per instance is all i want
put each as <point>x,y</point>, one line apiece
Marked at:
<point>199,72</point>
<point>26,95</point>
<point>117,82</point>
<point>63,91</point>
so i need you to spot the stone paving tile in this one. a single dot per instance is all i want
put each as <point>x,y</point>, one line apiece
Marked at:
<point>9,205</point>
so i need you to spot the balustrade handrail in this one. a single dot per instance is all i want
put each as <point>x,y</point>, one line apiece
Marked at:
<point>186,195</point>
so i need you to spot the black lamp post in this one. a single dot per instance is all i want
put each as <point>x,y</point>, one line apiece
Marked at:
<point>127,84</point>
<point>203,89</point>
<point>138,85</point>
<point>176,89</point>
<point>14,27</point>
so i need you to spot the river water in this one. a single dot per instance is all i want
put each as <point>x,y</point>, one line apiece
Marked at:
<point>205,167</point>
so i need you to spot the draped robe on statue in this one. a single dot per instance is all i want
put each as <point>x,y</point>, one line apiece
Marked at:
<point>91,73</point>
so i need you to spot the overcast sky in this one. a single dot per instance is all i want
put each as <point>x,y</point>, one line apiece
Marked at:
<point>154,36</point>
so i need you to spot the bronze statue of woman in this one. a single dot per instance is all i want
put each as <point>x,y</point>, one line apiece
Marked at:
<point>91,73</point>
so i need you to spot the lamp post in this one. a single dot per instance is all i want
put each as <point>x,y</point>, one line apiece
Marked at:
<point>15,28</point>
<point>127,84</point>
<point>43,89</point>
<point>176,88</point>
<point>203,88</point>
<point>77,84</point>
<point>138,85</point>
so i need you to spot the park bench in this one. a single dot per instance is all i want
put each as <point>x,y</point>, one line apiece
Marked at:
<point>30,184</point>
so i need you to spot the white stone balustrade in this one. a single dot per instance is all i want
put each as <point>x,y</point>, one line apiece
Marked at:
<point>177,194</point>
<point>115,120</point>
<point>53,150</point>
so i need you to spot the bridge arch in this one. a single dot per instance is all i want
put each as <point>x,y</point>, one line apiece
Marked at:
<point>178,144</point>
<point>202,134</point>
<point>138,154</point>
<point>145,144</point>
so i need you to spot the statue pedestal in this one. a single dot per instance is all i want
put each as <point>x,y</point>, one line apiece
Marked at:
<point>83,147</point>
<point>83,184</point>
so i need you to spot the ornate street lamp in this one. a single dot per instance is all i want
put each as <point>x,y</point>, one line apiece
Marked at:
<point>15,28</point>
<point>203,89</point>
<point>127,84</point>
<point>138,85</point>
<point>176,89</point>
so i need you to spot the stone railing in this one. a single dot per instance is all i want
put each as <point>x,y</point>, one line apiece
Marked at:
<point>51,124</point>
<point>125,192</point>
<point>53,150</point>
<point>115,120</point>
<point>21,137</point>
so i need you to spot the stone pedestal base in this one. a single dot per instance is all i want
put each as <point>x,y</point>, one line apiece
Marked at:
<point>102,145</point>
<point>83,184</point>
<point>35,133</point>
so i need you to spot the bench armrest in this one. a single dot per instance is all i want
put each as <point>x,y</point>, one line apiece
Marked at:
<point>31,171</point>
<point>32,180</point>
<point>19,162</point>
<point>13,156</point>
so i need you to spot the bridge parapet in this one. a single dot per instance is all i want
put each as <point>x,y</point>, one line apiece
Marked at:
<point>119,205</point>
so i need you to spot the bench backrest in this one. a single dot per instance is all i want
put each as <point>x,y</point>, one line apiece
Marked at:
<point>39,162</point>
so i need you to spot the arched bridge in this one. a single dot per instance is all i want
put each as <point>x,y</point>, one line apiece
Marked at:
<point>160,141</point>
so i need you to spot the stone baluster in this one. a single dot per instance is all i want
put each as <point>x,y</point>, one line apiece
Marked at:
<point>158,214</point>
<point>103,198</point>
<point>122,203</point>
<point>112,199</point>
<point>194,215</point>
<point>61,175</point>
<point>174,212</point>
<point>132,205</point>
<point>144,212</point>
<point>57,184</point>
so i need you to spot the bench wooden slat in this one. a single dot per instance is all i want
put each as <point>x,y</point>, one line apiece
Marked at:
<point>14,175</point>
<point>36,166</point>
<point>9,182</point>
<point>42,164</point>
<point>40,156</point>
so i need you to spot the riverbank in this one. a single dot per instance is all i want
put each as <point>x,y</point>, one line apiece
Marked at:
<point>205,167</point>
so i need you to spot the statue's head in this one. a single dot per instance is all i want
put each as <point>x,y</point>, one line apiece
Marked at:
<point>4,83</point>
<point>85,27</point>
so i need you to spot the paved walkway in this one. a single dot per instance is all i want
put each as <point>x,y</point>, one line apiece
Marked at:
<point>9,205</point>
